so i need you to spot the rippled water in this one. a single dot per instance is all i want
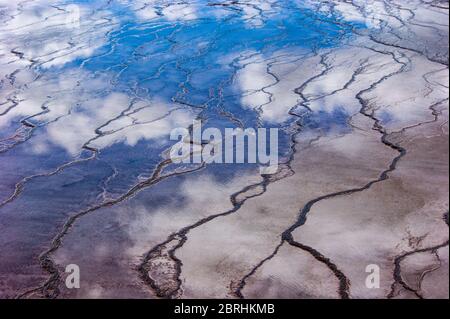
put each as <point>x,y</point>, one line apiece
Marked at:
<point>133,75</point>
<point>91,90</point>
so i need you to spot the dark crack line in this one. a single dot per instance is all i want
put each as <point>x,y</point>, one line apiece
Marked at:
<point>287,235</point>
<point>50,288</point>
<point>181,236</point>
<point>398,278</point>
<point>344,282</point>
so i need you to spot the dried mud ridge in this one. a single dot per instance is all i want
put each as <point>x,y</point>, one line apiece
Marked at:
<point>50,288</point>
<point>344,282</point>
<point>171,289</point>
<point>161,260</point>
<point>398,267</point>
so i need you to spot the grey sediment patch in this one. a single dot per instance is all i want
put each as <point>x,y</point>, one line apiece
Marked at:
<point>398,279</point>
<point>181,236</point>
<point>287,235</point>
<point>50,288</point>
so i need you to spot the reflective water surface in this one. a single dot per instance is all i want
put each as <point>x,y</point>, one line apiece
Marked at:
<point>91,90</point>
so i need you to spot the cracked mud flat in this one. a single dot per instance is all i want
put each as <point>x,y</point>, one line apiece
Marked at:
<point>90,91</point>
